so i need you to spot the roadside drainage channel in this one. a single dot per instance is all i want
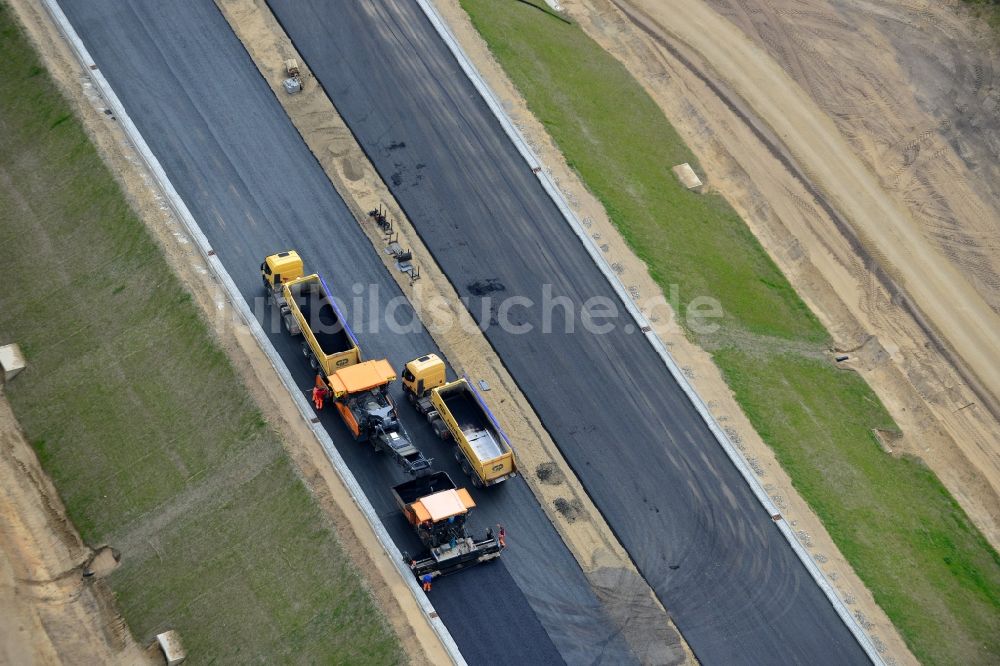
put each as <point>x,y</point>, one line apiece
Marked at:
<point>236,299</point>
<point>536,166</point>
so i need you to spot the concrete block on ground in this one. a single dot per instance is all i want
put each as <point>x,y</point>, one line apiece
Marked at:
<point>687,176</point>
<point>11,361</point>
<point>170,643</point>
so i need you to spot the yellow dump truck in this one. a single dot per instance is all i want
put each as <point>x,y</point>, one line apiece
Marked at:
<point>307,308</point>
<point>457,411</point>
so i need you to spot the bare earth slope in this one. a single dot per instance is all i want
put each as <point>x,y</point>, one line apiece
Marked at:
<point>937,289</point>
<point>49,612</point>
<point>858,250</point>
<point>915,90</point>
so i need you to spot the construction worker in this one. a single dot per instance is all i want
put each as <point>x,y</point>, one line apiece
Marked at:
<point>318,397</point>
<point>320,393</point>
<point>426,579</point>
<point>502,536</point>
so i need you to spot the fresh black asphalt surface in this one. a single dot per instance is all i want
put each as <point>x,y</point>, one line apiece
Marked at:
<point>712,554</point>
<point>254,188</point>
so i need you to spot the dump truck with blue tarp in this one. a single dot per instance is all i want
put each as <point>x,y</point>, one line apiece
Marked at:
<point>308,309</point>
<point>457,412</point>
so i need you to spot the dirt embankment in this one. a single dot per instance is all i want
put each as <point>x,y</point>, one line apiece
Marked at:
<point>50,611</point>
<point>914,87</point>
<point>777,172</point>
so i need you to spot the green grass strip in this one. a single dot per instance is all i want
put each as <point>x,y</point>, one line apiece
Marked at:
<point>929,568</point>
<point>143,424</point>
<point>988,10</point>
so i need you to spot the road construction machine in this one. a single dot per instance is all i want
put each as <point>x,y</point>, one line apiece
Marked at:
<point>457,411</point>
<point>358,389</point>
<point>438,509</point>
<point>360,394</point>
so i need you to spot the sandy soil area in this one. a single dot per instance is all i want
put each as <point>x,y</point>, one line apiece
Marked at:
<point>829,228</point>
<point>356,536</point>
<point>50,613</point>
<point>643,620</point>
<point>926,285</point>
<point>914,87</point>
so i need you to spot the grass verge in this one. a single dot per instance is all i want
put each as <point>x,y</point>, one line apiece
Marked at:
<point>929,568</point>
<point>934,574</point>
<point>153,442</point>
<point>987,10</point>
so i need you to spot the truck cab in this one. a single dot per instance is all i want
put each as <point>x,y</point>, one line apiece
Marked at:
<point>281,267</point>
<point>423,374</point>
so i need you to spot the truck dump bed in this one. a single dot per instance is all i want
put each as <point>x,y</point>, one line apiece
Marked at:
<point>322,323</point>
<point>478,430</point>
<point>476,433</point>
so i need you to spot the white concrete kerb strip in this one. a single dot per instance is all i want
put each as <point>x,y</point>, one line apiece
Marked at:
<point>550,187</point>
<point>237,300</point>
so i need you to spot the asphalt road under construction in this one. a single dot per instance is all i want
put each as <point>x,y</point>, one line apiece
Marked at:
<point>709,550</point>
<point>719,564</point>
<point>254,188</point>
